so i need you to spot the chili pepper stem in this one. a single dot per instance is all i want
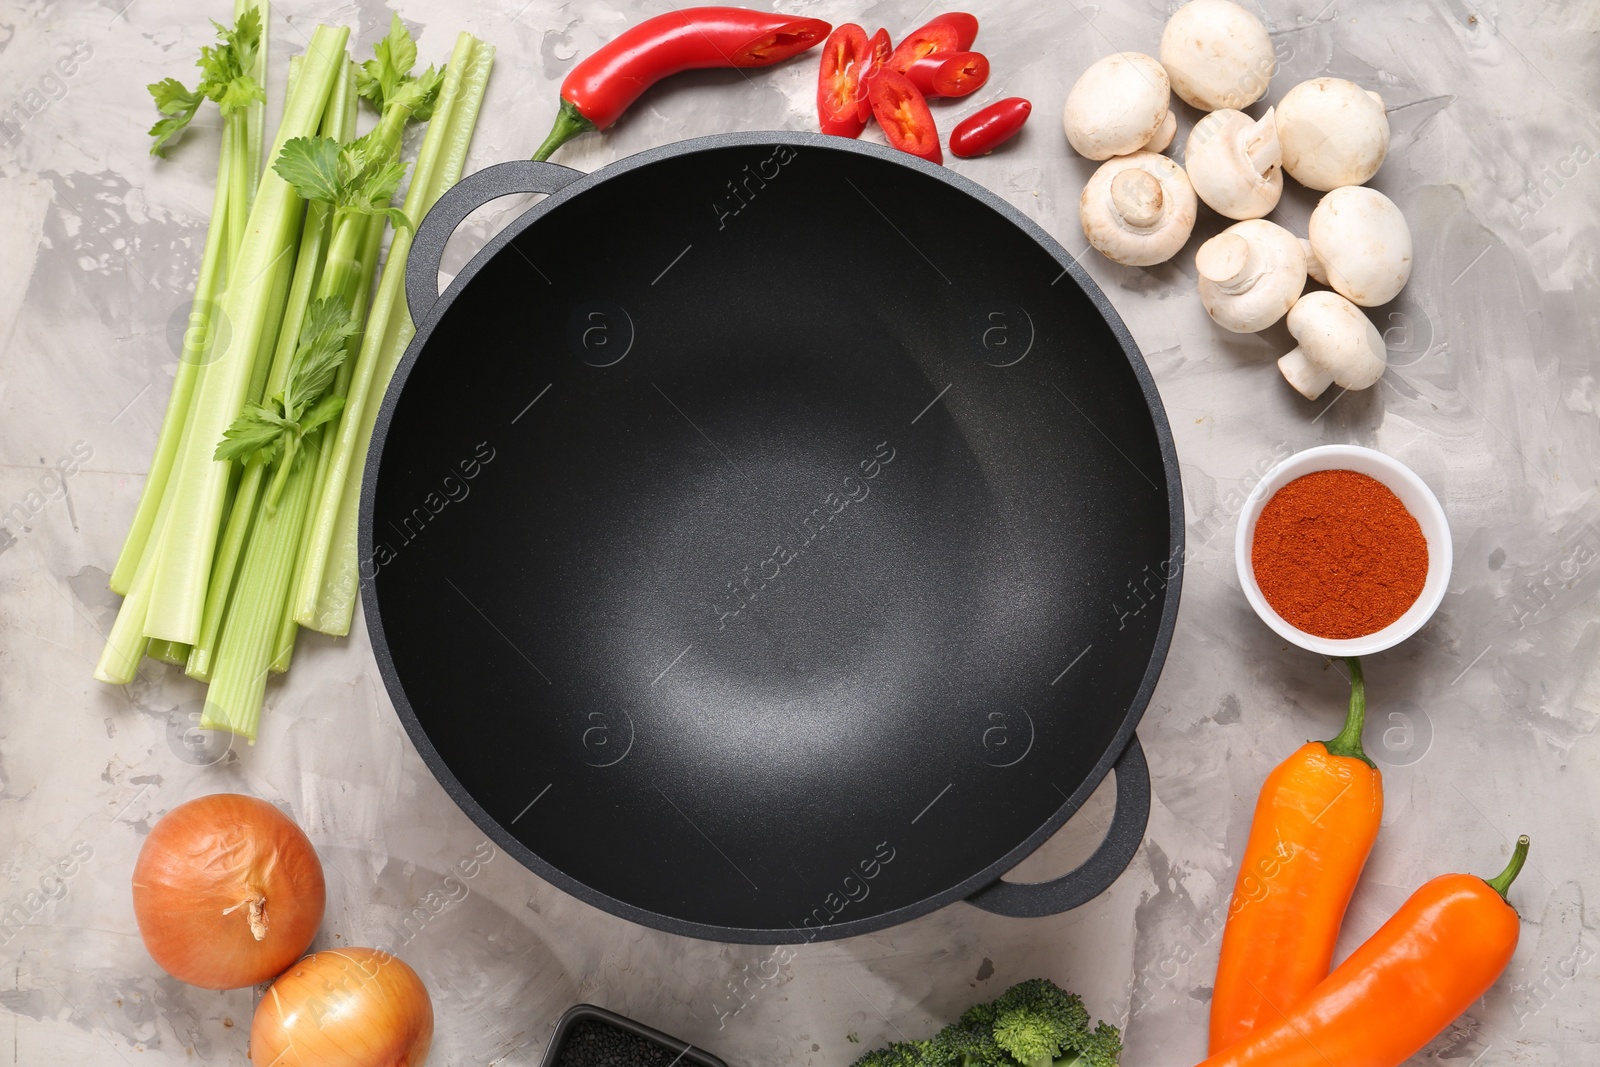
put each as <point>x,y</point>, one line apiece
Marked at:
<point>1501,882</point>
<point>1348,743</point>
<point>569,123</point>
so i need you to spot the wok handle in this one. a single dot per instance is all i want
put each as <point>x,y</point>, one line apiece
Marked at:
<point>1032,900</point>
<point>461,200</point>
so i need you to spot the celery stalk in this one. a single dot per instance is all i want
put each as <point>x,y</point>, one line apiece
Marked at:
<point>191,360</point>
<point>326,586</point>
<point>371,246</point>
<point>177,599</point>
<point>245,652</point>
<point>338,121</point>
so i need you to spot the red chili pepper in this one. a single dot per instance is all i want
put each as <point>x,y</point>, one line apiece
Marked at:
<point>953,31</point>
<point>904,116</point>
<point>987,128</point>
<point>880,49</point>
<point>849,63</point>
<point>949,73</point>
<point>966,28</point>
<point>600,88</point>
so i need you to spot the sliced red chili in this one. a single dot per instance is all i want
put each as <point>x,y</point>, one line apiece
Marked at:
<point>989,127</point>
<point>904,116</point>
<point>936,36</point>
<point>842,106</point>
<point>966,27</point>
<point>949,73</point>
<point>880,48</point>
<point>601,87</point>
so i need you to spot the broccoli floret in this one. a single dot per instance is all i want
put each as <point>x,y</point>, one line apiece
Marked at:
<point>1102,1048</point>
<point>1042,1025</point>
<point>898,1054</point>
<point>958,1045</point>
<point>1033,1024</point>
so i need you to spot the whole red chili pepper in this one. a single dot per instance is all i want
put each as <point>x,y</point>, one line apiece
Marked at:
<point>600,88</point>
<point>987,128</point>
<point>949,73</point>
<point>954,31</point>
<point>904,116</point>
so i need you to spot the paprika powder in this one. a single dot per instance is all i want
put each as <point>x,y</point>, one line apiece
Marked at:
<point>1337,554</point>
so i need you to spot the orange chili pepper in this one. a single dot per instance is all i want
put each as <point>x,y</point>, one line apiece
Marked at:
<point>1315,822</point>
<point>1438,954</point>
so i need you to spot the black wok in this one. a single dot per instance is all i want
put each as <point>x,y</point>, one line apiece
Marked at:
<point>771,537</point>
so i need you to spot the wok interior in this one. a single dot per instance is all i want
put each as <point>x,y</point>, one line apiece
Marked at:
<point>813,546</point>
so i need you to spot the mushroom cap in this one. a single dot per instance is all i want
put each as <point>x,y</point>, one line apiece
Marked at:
<point>1337,343</point>
<point>1116,105</point>
<point>1251,274</point>
<point>1162,138</point>
<point>1334,133</point>
<point>1138,209</point>
<point>1217,55</point>
<point>1363,243</point>
<point>1232,160</point>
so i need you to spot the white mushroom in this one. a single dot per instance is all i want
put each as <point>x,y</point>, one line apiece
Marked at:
<point>1163,136</point>
<point>1117,106</point>
<point>1232,160</point>
<point>1334,133</point>
<point>1313,265</point>
<point>1138,209</point>
<point>1250,275</point>
<point>1362,245</point>
<point>1337,344</point>
<point>1217,55</point>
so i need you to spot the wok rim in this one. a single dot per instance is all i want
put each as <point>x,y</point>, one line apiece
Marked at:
<point>788,935</point>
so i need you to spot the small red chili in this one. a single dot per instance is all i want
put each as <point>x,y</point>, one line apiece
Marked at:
<point>954,31</point>
<point>849,63</point>
<point>600,88</point>
<point>841,96</point>
<point>904,116</point>
<point>949,73</point>
<point>987,128</point>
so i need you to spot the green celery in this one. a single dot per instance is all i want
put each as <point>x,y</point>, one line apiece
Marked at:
<point>338,122</point>
<point>183,570</point>
<point>326,586</point>
<point>230,202</point>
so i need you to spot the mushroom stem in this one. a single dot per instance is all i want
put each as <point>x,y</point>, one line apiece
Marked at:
<point>1228,262</point>
<point>1136,196</point>
<point>1303,374</point>
<point>1261,143</point>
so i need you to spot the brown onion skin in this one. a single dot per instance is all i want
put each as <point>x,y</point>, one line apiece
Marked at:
<point>344,1007</point>
<point>213,854</point>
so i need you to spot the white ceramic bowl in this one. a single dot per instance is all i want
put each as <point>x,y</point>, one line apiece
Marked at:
<point>1413,493</point>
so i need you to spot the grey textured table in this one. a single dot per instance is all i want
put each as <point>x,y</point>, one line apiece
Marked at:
<point>1485,722</point>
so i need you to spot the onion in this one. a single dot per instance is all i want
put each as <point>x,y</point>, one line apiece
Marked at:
<point>344,1007</point>
<point>227,891</point>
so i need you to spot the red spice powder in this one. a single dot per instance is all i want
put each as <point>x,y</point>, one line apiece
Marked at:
<point>1337,554</point>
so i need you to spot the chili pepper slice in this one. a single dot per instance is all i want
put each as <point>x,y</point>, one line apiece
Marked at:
<point>987,128</point>
<point>949,73</point>
<point>966,27</point>
<point>1429,963</point>
<point>940,35</point>
<point>600,88</point>
<point>904,116</point>
<point>841,93</point>
<point>880,48</point>
<point>1315,823</point>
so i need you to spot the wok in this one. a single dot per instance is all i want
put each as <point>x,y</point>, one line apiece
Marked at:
<point>771,537</point>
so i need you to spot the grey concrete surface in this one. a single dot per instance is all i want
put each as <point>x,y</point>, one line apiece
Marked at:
<point>1484,723</point>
